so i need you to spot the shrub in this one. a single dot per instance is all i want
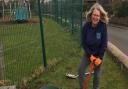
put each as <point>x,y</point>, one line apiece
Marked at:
<point>122,11</point>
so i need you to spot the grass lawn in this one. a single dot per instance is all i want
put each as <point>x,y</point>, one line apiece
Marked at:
<point>22,47</point>
<point>22,50</point>
<point>22,55</point>
<point>112,76</point>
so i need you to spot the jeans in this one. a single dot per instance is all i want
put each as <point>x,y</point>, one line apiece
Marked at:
<point>82,68</point>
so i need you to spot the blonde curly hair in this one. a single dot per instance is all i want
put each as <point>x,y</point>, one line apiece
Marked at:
<point>104,15</point>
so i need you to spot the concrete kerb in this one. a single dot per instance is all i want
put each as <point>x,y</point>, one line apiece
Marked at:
<point>118,56</point>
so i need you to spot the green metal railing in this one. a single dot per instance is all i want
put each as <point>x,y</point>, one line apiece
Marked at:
<point>66,12</point>
<point>23,44</point>
<point>42,34</point>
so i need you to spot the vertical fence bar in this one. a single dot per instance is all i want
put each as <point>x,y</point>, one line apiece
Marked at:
<point>72,15</point>
<point>55,5</point>
<point>57,11</point>
<point>81,18</point>
<point>3,10</point>
<point>54,17</point>
<point>42,34</point>
<point>2,66</point>
<point>52,9</point>
<point>65,13</point>
<point>61,11</point>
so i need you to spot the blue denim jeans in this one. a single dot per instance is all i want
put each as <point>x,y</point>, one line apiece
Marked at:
<point>82,69</point>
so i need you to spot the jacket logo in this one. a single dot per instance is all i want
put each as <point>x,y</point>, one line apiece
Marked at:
<point>98,35</point>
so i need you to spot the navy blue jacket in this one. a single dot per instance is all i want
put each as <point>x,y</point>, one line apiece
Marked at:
<point>94,39</point>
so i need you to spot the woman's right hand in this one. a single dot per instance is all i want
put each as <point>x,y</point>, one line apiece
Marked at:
<point>92,58</point>
<point>95,60</point>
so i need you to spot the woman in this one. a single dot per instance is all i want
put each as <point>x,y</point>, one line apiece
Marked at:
<point>94,42</point>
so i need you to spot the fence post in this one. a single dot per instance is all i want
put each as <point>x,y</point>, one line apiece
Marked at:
<point>61,12</point>
<point>72,15</point>
<point>1,63</point>
<point>3,10</point>
<point>42,34</point>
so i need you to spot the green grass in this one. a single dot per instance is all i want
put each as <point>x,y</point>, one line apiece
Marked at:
<point>22,55</point>
<point>112,76</point>
<point>22,50</point>
<point>22,47</point>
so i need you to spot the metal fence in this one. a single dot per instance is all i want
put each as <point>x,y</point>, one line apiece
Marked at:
<point>66,12</point>
<point>20,43</point>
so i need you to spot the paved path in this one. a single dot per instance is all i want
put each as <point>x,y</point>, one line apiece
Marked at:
<point>119,37</point>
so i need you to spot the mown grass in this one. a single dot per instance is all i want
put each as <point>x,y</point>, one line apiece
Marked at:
<point>22,54</point>
<point>22,50</point>
<point>112,76</point>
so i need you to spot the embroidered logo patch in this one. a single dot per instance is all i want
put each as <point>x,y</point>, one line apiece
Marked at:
<point>98,35</point>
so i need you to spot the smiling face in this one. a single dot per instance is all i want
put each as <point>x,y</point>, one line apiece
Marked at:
<point>95,18</point>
